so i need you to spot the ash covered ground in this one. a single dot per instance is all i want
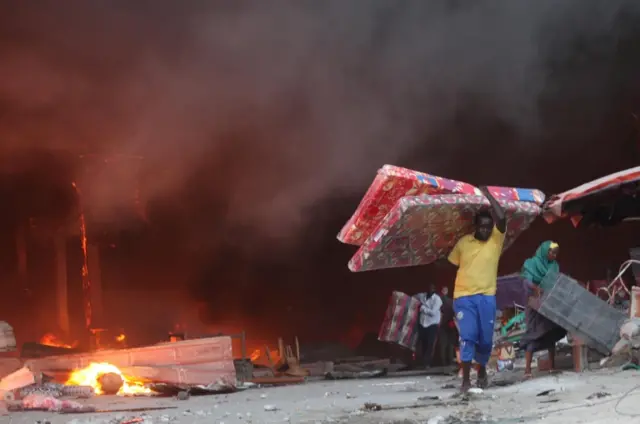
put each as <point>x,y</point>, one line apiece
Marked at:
<point>591,397</point>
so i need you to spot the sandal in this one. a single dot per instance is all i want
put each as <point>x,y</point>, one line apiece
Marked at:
<point>527,376</point>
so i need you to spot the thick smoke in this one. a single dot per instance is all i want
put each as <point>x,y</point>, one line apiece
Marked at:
<point>274,105</point>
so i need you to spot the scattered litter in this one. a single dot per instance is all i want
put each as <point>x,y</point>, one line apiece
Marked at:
<point>411,389</point>
<point>436,420</point>
<point>423,398</point>
<point>133,421</point>
<point>475,391</point>
<point>183,395</point>
<point>350,396</point>
<point>396,383</point>
<point>372,407</point>
<point>247,385</point>
<point>546,392</point>
<point>270,408</point>
<point>471,415</point>
<point>598,395</point>
<point>47,403</point>
<point>550,401</point>
<point>503,365</point>
<point>263,396</point>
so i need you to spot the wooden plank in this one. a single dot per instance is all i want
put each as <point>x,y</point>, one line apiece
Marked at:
<point>9,365</point>
<point>362,366</point>
<point>197,351</point>
<point>580,351</point>
<point>32,350</point>
<point>222,374</point>
<point>355,359</point>
<point>317,369</point>
<point>278,380</point>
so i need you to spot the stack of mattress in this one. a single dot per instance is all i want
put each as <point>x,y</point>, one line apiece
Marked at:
<point>400,324</point>
<point>409,218</point>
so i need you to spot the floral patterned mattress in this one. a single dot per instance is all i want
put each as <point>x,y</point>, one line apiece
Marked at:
<point>393,183</point>
<point>418,230</point>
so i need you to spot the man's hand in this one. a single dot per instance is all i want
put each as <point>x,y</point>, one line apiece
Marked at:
<point>498,213</point>
<point>484,190</point>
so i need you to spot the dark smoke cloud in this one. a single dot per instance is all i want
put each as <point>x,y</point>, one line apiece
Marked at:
<point>276,105</point>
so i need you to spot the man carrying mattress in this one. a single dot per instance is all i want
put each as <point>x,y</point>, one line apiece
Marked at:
<point>476,257</point>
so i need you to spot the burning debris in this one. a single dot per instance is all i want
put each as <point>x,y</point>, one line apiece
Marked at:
<point>205,364</point>
<point>105,378</point>
<point>52,340</point>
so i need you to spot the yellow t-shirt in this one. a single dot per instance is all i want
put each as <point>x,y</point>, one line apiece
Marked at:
<point>477,263</point>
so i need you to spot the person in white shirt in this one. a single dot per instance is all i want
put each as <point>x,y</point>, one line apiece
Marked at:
<point>430,314</point>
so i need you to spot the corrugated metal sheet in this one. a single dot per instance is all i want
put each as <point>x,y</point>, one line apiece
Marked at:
<point>581,313</point>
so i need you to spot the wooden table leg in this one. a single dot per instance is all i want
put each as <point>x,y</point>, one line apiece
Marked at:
<point>580,359</point>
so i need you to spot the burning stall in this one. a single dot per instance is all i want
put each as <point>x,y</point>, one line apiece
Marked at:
<point>607,201</point>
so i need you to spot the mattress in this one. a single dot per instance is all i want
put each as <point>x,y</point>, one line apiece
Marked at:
<point>421,229</point>
<point>393,183</point>
<point>400,324</point>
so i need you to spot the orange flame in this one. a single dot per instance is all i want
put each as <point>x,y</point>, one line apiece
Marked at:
<point>51,339</point>
<point>255,355</point>
<point>259,356</point>
<point>89,377</point>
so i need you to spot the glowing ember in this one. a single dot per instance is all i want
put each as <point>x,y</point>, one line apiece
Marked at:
<point>259,356</point>
<point>89,377</point>
<point>255,355</point>
<point>86,282</point>
<point>51,339</point>
<point>121,338</point>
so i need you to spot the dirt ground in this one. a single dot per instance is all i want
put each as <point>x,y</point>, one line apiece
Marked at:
<point>591,397</point>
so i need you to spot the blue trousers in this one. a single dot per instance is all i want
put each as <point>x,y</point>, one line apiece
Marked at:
<point>475,316</point>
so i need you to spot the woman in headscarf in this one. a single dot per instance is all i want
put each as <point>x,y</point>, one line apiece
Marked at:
<point>541,333</point>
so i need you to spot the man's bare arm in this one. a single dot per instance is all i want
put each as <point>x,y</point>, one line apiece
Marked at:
<point>497,211</point>
<point>444,263</point>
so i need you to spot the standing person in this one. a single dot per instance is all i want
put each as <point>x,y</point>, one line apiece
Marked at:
<point>474,298</point>
<point>429,322</point>
<point>447,333</point>
<point>541,333</point>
